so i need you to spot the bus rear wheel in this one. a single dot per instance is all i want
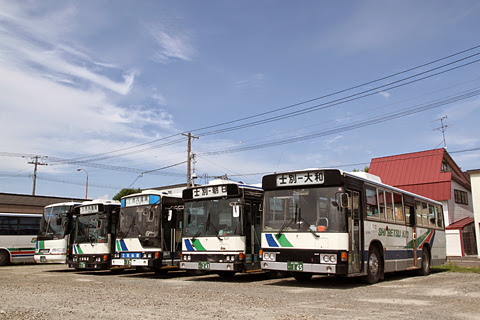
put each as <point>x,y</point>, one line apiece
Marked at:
<point>374,266</point>
<point>4,258</point>
<point>425,268</point>
<point>302,276</point>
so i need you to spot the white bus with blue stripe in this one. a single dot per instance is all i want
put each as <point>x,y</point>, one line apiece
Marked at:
<point>149,231</point>
<point>93,235</point>
<point>222,228</point>
<point>327,221</point>
<point>53,241</point>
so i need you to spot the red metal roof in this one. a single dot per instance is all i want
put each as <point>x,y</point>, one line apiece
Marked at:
<point>418,172</point>
<point>460,224</point>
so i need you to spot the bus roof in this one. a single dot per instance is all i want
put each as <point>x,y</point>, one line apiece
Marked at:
<point>102,201</point>
<point>60,204</point>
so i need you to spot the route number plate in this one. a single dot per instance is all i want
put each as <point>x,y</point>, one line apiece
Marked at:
<point>204,265</point>
<point>294,266</point>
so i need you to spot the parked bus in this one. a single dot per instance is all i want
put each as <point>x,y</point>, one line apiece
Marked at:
<point>149,231</point>
<point>18,234</point>
<point>54,234</point>
<point>222,228</point>
<point>327,221</point>
<point>93,235</point>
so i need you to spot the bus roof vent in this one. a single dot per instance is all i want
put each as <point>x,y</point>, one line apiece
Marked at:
<point>367,176</point>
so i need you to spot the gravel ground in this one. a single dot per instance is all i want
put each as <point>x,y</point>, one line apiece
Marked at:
<point>56,292</point>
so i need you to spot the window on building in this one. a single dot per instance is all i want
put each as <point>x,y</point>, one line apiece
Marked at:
<point>461,197</point>
<point>444,166</point>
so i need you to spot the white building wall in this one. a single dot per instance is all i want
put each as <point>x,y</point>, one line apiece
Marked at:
<point>459,211</point>
<point>475,181</point>
<point>454,243</point>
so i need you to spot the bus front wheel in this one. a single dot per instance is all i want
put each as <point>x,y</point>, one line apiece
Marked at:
<point>4,258</point>
<point>374,266</point>
<point>302,276</point>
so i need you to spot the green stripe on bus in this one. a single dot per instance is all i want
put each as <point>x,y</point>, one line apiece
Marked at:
<point>79,249</point>
<point>118,246</point>
<point>41,244</point>
<point>283,241</point>
<point>198,245</point>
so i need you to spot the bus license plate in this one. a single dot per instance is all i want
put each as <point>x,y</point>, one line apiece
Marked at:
<point>82,264</point>
<point>294,266</point>
<point>204,265</point>
<point>127,262</point>
<point>43,259</point>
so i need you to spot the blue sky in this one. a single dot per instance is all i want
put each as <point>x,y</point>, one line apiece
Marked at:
<point>125,79</point>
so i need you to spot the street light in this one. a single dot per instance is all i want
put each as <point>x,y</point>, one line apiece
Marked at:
<point>86,185</point>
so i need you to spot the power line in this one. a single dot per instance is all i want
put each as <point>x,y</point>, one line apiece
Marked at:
<point>349,127</point>
<point>343,100</point>
<point>338,92</point>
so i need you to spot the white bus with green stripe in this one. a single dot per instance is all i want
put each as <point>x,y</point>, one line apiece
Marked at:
<point>327,221</point>
<point>149,231</point>
<point>54,234</point>
<point>222,228</point>
<point>18,235</point>
<point>93,235</point>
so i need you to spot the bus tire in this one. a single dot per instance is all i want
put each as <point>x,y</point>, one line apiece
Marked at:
<point>302,276</point>
<point>4,258</point>
<point>425,267</point>
<point>226,274</point>
<point>374,266</point>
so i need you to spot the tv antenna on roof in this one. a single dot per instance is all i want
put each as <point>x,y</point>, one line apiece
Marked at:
<point>443,128</point>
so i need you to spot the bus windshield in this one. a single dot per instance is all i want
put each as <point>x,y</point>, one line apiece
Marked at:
<point>139,222</point>
<point>54,222</point>
<point>219,217</point>
<point>305,210</point>
<point>91,228</point>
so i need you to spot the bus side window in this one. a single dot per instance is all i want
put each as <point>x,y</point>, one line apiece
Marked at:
<point>424,214</point>
<point>432,215</point>
<point>389,205</point>
<point>381,203</point>
<point>418,212</point>
<point>439,216</point>
<point>372,203</point>
<point>398,207</point>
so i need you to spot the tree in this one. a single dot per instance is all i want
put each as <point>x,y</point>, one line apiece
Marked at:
<point>125,192</point>
<point>364,169</point>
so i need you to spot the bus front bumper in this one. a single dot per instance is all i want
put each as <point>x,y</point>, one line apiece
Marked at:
<point>212,266</point>
<point>307,267</point>
<point>50,258</point>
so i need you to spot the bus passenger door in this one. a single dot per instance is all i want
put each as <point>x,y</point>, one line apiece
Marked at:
<point>355,233</point>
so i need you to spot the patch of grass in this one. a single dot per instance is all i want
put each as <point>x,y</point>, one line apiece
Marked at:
<point>449,267</point>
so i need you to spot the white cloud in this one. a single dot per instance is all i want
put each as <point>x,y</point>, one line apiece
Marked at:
<point>384,94</point>
<point>255,80</point>
<point>170,44</point>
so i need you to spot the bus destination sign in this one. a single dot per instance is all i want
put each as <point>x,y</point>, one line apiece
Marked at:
<point>208,192</point>
<point>93,208</point>
<point>137,201</point>
<point>300,178</point>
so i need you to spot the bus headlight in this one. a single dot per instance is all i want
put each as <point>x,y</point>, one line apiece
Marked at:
<point>269,256</point>
<point>328,258</point>
<point>57,250</point>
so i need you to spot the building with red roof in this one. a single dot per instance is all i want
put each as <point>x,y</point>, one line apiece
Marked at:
<point>432,174</point>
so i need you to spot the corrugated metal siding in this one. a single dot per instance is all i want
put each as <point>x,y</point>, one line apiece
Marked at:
<point>418,172</point>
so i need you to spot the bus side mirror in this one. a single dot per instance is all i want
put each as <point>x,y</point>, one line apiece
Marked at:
<point>99,224</point>
<point>59,221</point>
<point>170,215</point>
<point>344,200</point>
<point>236,211</point>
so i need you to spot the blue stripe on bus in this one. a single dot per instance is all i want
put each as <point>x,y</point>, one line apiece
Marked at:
<point>189,245</point>
<point>123,245</point>
<point>271,242</point>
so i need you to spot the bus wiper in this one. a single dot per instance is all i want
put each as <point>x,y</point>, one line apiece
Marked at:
<point>197,234</point>
<point>124,234</point>
<point>308,227</point>
<point>214,229</point>
<point>286,224</point>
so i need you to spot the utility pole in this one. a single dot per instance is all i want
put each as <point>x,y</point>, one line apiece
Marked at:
<point>34,161</point>
<point>443,128</point>
<point>189,158</point>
